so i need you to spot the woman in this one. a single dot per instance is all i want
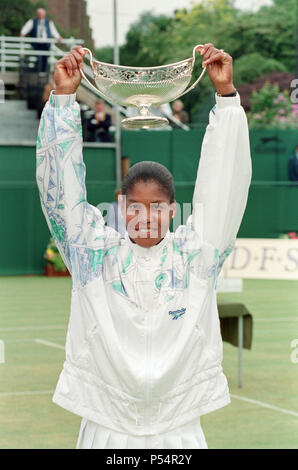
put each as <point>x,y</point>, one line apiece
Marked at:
<point>143,347</point>
<point>179,113</point>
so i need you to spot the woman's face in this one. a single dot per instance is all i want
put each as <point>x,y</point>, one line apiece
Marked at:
<point>148,212</point>
<point>177,106</point>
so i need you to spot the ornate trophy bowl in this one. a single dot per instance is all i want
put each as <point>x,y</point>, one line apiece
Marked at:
<point>142,87</point>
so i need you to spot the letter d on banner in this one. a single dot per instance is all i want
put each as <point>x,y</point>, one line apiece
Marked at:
<point>2,92</point>
<point>245,257</point>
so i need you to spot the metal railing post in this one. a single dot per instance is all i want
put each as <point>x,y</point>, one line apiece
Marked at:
<point>22,48</point>
<point>116,108</point>
<point>52,57</point>
<point>72,44</point>
<point>3,69</point>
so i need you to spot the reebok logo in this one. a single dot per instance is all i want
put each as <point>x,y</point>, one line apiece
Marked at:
<point>177,313</point>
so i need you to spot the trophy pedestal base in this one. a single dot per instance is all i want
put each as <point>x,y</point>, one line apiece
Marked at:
<point>144,122</point>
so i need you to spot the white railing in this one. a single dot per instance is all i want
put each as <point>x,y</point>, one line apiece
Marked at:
<point>14,49</point>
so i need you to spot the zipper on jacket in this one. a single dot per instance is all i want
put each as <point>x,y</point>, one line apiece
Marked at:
<point>148,388</point>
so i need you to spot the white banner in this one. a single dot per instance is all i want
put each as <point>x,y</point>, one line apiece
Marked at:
<point>263,258</point>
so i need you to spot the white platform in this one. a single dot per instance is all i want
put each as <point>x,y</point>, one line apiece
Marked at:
<point>229,285</point>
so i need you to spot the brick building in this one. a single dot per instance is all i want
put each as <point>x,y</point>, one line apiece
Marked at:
<point>71,16</point>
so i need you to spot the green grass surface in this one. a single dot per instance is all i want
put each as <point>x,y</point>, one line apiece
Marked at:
<point>38,308</point>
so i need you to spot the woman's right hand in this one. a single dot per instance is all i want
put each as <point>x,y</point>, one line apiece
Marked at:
<point>67,73</point>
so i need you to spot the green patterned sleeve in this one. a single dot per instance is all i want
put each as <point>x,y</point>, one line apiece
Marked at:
<point>60,175</point>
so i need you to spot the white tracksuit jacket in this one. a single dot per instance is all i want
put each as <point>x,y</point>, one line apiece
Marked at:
<point>143,347</point>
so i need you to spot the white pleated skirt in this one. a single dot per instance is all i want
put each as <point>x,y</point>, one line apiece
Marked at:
<point>95,436</point>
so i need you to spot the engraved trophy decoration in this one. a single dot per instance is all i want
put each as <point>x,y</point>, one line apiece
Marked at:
<point>142,87</point>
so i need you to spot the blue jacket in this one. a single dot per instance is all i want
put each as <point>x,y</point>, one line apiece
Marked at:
<point>33,32</point>
<point>293,168</point>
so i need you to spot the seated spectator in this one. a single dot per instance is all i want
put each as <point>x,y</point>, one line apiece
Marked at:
<point>293,166</point>
<point>179,113</point>
<point>99,123</point>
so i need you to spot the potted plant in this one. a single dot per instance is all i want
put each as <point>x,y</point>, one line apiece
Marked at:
<point>55,265</point>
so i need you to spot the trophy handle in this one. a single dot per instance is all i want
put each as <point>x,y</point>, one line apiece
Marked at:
<point>100,93</point>
<point>197,81</point>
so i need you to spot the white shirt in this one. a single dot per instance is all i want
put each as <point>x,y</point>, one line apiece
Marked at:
<point>143,347</point>
<point>41,29</point>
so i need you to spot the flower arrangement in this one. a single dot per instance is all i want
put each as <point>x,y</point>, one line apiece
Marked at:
<point>271,108</point>
<point>289,235</point>
<point>55,264</point>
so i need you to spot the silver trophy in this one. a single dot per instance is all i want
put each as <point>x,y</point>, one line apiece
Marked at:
<point>142,87</point>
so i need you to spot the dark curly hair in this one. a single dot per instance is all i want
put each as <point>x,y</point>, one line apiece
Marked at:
<point>149,171</point>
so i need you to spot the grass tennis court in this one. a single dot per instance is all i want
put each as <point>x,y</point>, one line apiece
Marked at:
<point>34,313</point>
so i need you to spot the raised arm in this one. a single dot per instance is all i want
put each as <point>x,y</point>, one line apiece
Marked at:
<point>54,31</point>
<point>77,227</point>
<point>224,171</point>
<point>27,27</point>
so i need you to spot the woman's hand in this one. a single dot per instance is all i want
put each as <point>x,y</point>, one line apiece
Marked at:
<point>219,65</point>
<point>67,73</point>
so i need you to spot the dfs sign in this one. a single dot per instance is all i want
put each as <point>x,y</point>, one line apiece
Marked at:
<point>264,258</point>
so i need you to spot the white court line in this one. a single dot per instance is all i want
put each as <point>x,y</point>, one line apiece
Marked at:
<point>265,405</point>
<point>25,328</point>
<point>29,340</point>
<point>32,392</point>
<point>273,320</point>
<point>49,343</point>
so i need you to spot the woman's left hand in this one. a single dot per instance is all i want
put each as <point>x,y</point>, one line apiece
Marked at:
<point>219,65</point>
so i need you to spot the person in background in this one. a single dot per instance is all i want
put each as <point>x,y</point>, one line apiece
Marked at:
<point>41,27</point>
<point>179,113</point>
<point>115,218</point>
<point>99,123</point>
<point>293,165</point>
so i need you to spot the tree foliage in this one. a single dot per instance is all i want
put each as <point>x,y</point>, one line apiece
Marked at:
<point>105,54</point>
<point>250,66</point>
<point>13,15</point>
<point>145,41</point>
